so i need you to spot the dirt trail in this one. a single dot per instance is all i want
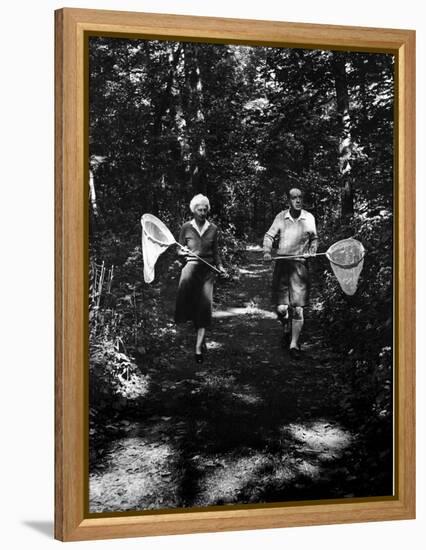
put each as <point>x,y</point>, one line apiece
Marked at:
<point>249,425</point>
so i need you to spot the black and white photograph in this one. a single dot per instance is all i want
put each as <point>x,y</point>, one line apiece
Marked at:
<point>241,261</point>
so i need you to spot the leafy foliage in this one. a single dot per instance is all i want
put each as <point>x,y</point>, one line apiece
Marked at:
<point>114,374</point>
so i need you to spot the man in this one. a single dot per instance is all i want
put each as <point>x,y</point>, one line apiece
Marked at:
<point>297,235</point>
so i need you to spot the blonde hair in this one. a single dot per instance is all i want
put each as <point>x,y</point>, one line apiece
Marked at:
<point>199,200</point>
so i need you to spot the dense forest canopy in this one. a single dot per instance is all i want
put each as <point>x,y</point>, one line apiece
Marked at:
<point>240,124</point>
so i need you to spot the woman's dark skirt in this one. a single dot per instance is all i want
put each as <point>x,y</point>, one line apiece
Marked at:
<point>195,295</point>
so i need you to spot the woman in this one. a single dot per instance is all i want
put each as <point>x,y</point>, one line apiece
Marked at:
<point>195,292</point>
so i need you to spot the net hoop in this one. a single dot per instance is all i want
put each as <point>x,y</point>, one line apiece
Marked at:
<point>155,241</point>
<point>345,266</point>
<point>150,218</point>
<point>346,258</point>
<point>355,244</point>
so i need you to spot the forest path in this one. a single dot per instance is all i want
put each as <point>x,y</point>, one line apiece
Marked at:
<point>249,425</point>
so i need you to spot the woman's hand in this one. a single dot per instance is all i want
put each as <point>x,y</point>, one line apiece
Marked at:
<point>223,273</point>
<point>183,254</point>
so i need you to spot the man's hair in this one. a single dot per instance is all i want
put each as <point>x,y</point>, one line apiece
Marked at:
<point>294,189</point>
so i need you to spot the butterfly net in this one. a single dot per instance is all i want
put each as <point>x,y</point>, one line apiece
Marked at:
<point>156,238</point>
<point>347,260</point>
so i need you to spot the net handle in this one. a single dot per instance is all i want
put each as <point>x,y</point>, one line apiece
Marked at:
<point>346,266</point>
<point>196,255</point>
<point>300,256</point>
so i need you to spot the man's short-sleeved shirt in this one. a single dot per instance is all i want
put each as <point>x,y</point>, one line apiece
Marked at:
<point>295,235</point>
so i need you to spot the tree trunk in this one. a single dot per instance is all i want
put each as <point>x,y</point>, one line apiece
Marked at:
<point>196,119</point>
<point>345,141</point>
<point>92,194</point>
<point>157,175</point>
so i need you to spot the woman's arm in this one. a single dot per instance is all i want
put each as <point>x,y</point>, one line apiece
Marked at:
<point>216,254</point>
<point>182,240</point>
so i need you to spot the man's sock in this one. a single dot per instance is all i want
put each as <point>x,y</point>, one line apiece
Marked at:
<point>286,334</point>
<point>295,333</point>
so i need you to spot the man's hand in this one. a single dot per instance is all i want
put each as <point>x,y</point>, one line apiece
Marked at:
<point>310,253</point>
<point>267,257</point>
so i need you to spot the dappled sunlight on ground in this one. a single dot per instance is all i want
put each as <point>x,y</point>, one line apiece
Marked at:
<point>218,381</point>
<point>224,483</point>
<point>304,457</point>
<point>325,440</point>
<point>230,479</point>
<point>254,272</point>
<point>144,475</point>
<point>308,469</point>
<point>213,345</point>
<point>139,472</point>
<point>249,309</point>
<point>248,397</point>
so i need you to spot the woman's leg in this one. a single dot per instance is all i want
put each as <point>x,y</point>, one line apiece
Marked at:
<point>201,332</point>
<point>187,289</point>
<point>203,313</point>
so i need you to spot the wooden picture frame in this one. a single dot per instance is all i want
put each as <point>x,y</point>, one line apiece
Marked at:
<point>72,25</point>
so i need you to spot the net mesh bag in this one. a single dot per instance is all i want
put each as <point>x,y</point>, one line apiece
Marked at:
<point>347,260</point>
<point>156,238</point>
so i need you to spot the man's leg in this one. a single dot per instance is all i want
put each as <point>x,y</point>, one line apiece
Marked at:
<point>282,310</point>
<point>284,317</point>
<point>299,293</point>
<point>296,326</point>
<point>280,295</point>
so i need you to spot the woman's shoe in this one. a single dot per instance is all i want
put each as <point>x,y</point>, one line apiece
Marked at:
<point>295,353</point>
<point>199,358</point>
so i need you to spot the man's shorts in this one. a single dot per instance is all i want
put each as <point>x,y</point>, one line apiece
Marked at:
<point>290,283</point>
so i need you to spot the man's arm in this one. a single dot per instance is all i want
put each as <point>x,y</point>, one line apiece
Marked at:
<point>268,239</point>
<point>313,239</point>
